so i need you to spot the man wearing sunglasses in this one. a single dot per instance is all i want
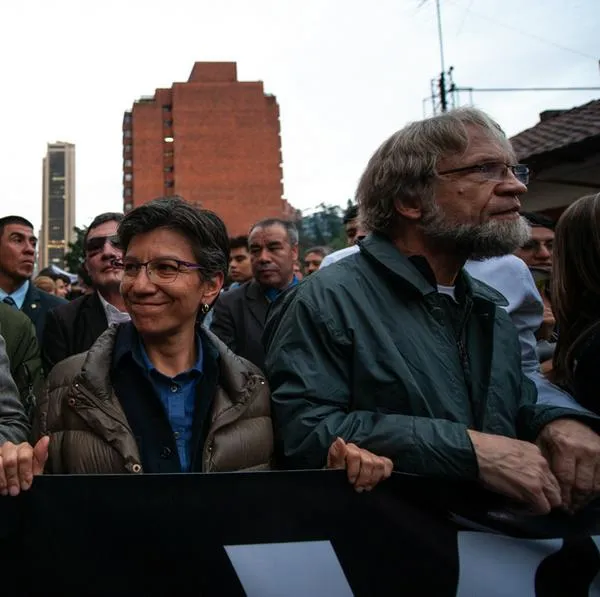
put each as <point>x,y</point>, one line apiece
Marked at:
<point>74,327</point>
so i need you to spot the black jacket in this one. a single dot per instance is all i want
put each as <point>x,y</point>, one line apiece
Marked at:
<point>37,305</point>
<point>367,350</point>
<point>239,321</point>
<point>72,329</point>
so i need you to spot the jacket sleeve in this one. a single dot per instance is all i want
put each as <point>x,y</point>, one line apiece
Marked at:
<point>27,367</point>
<point>223,324</point>
<point>55,346</point>
<point>309,364</point>
<point>14,424</point>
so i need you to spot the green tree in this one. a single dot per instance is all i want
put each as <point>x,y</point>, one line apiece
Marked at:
<point>323,227</point>
<point>76,254</point>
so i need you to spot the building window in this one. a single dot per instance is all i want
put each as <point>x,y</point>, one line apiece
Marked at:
<point>169,153</point>
<point>168,168</point>
<point>127,133</point>
<point>168,123</point>
<point>127,192</point>
<point>169,184</point>
<point>167,108</point>
<point>128,206</point>
<point>127,148</point>
<point>169,139</point>
<point>128,177</point>
<point>127,163</point>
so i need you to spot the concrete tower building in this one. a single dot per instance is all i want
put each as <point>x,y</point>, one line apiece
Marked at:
<point>58,204</point>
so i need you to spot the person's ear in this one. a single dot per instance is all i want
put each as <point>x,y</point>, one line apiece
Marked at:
<point>212,288</point>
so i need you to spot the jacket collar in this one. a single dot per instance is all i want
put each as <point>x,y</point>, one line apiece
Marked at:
<point>416,273</point>
<point>235,374</point>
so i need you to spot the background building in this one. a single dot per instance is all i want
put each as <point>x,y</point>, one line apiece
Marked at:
<point>58,204</point>
<point>563,153</point>
<point>214,140</point>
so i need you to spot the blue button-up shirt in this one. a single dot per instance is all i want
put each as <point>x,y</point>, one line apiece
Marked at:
<point>18,295</point>
<point>178,397</point>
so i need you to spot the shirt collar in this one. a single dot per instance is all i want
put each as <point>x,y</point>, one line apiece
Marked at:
<point>18,295</point>
<point>113,315</point>
<point>129,342</point>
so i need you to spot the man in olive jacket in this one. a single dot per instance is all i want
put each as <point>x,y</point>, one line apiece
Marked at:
<point>14,425</point>
<point>399,351</point>
<point>23,354</point>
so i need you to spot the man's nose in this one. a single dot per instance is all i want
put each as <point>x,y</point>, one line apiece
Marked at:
<point>543,252</point>
<point>264,255</point>
<point>512,185</point>
<point>110,252</point>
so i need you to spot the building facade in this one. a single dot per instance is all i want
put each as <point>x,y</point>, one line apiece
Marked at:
<point>58,204</point>
<point>215,141</point>
<point>563,153</point>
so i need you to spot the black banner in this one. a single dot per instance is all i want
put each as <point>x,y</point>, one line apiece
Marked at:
<point>286,534</point>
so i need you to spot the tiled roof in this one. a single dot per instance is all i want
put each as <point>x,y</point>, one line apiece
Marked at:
<point>567,128</point>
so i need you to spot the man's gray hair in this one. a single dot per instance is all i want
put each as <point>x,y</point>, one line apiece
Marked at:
<point>404,166</point>
<point>290,228</point>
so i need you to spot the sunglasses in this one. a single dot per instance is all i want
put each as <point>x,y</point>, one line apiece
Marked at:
<point>96,244</point>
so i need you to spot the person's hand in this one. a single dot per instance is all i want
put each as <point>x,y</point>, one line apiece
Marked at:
<point>548,323</point>
<point>19,463</point>
<point>364,468</point>
<point>517,470</point>
<point>573,451</point>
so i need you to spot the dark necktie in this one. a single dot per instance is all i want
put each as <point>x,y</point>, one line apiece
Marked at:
<point>10,301</point>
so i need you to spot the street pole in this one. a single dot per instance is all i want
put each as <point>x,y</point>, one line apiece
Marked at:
<point>442,84</point>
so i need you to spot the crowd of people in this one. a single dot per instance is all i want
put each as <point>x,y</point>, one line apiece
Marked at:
<point>451,338</point>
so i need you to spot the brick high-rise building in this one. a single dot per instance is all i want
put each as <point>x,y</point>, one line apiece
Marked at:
<point>214,140</point>
<point>58,204</point>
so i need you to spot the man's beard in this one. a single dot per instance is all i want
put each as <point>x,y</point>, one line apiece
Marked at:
<point>475,241</point>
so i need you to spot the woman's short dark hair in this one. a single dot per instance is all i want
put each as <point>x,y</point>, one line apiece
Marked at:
<point>203,229</point>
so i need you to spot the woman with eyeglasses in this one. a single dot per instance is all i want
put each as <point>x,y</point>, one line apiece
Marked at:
<point>576,301</point>
<point>158,394</point>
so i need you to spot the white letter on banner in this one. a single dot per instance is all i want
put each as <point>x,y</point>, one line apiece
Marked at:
<point>501,566</point>
<point>300,569</point>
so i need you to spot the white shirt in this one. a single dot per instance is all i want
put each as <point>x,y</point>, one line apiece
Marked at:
<point>113,315</point>
<point>337,255</point>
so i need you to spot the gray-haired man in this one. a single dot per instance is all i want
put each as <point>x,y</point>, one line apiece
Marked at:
<point>399,351</point>
<point>240,314</point>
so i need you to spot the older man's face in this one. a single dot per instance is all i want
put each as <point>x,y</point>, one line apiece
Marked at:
<point>475,213</point>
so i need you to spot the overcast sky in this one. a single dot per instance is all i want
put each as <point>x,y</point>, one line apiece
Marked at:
<point>346,73</point>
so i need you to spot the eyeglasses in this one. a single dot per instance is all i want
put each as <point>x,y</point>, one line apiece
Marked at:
<point>96,244</point>
<point>495,171</point>
<point>159,271</point>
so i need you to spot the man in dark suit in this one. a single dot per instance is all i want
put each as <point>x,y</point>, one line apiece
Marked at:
<point>74,327</point>
<point>240,314</point>
<point>17,259</point>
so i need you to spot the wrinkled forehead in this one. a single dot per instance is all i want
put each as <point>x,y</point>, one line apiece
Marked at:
<point>265,234</point>
<point>483,145</point>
